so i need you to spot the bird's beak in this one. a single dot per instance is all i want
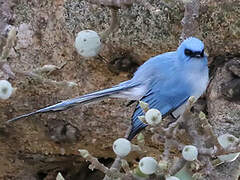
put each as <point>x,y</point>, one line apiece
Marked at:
<point>198,56</point>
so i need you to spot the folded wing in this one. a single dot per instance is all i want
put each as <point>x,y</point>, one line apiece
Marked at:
<point>159,98</point>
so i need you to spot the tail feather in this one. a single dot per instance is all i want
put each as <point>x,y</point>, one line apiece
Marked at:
<point>76,101</point>
<point>22,116</point>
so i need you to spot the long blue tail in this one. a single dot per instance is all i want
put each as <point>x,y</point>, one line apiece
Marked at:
<point>76,101</point>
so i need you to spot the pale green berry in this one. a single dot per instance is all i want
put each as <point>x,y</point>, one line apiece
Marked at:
<point>225,141</point>
<point>153,116</point>
<point>122,147</point>
<point>148,165</point>
<point>5,89</point>
<point>190,153</point>
<point>88,43</point>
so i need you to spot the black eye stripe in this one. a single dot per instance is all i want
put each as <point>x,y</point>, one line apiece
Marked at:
<point>190,53</point>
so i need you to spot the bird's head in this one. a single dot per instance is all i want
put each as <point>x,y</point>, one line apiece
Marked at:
<point>191,49</point>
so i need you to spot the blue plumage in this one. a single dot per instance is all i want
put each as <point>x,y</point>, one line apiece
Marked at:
<point>165,82</point>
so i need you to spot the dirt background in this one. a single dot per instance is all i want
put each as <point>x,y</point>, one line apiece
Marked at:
<point>40,146</point>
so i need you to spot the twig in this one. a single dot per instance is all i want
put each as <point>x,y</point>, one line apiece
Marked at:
<point>189,23</point>
<point>11,39</point>
<point>128,131</point>
<point>113,3</point>
<point>184,117</point>
<point>48,68</point>
<point>206,151</point>
<point>229,150</point>
<point>117,162</point>
<point>177,166</point>
<point>115,166</point>
<point>9,44</point>
<point>85,154</point>
<point>125,166</point>
<point>113,26</point>
<point>41,79</point>
<point>7,70</point>
<point>111,173</point>
<point>208,131</point>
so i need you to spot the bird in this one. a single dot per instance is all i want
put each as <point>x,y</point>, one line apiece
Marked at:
<point>164,82</point>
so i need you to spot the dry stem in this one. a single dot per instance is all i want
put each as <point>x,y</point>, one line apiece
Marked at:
<point>189,22</point>
<point>113,26</point>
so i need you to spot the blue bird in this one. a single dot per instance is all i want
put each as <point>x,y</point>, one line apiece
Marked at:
<point>165,82</point>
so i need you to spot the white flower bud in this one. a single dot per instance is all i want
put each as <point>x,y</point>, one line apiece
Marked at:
<point>225,141</point>
<point>148,165</point>
<point>153,116</point>
<point>48,68</point>
<point>144,106</point>
<point>71,84</point>
<point>5,89</point>
<point>88,43</point>
<point>59,177</point>
<point>172,178</point>
<point>163,165</point>
<point>202,116</point>
<point>190,153</point>
<point>141,118</point>
<point>84,153</point>
<point>140,138</point>
<point>192,99</point>
<point>122,147</point>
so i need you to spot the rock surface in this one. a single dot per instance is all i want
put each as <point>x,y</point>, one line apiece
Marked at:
<point>40,146</point>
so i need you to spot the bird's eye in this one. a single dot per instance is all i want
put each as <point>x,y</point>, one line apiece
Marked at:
<point>202,53</point>
<point>188,52</point>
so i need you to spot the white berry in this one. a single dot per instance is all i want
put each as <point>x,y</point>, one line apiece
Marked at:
<point>153,116</point>
<point>148,165</point>
<point>225,141</point>
<point>172,178</point>
<point>88,43</point>
<point>5,89</point>
<point>190,153</point>
<point>122,147</point>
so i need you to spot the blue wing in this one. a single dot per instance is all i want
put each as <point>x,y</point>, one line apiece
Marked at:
<point>160,97</point>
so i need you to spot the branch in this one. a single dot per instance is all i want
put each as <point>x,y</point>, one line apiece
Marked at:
<point>113,26</point>
<point>11,39</point>
<point>217,152</point>
<point>189,22</point>
<point>118,160</point>
<point>40,79</point>
<point>208,131</point>
<point>113,3</point>
<point>9,44</point>
<point>177,166</point>
<point>95,164</point>
<point>4,66</point>
<point>184,117</point>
